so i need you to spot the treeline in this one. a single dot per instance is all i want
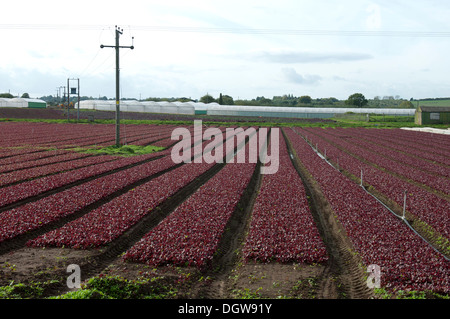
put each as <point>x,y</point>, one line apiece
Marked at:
<point>436,99</point>
<point>291,100</point>
<point>284,100</point>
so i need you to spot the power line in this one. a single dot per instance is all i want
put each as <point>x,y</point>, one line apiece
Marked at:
<point>296,32</point>
<point>287,32</point>
<point>89,64</point>
<point>88,71</point>
<point>49,27</point>
<point>96,68</point>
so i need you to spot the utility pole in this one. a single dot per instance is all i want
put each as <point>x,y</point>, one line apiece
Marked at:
<point>78,113</point>
<point>117,47</point>
<point>74,91</point>
<point>60,99</point>
<point>68,101</point>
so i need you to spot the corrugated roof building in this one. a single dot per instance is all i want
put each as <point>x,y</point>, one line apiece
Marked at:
<point>432,115</point>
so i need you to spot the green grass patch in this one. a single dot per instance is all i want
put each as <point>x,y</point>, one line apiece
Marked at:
<point>31,290</point>
<point>123,150</point>
<point>97,121</point>
<point>352,120</point>
<point>247,293</point>
<point>116,287</point>
<point>420,295</point>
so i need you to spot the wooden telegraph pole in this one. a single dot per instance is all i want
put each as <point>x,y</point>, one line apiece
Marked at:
<point>117,47</point>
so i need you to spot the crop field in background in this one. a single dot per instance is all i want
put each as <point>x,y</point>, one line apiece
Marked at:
<point>223,230</point>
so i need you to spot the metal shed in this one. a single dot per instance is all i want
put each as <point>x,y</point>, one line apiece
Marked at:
<point>432,115</point>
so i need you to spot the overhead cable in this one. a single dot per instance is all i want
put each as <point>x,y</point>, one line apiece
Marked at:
<point>286,32</point>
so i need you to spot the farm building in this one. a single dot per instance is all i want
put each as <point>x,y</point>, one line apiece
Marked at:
<point>198,108</point>
<point>432,115</point>
<point>24,103</point>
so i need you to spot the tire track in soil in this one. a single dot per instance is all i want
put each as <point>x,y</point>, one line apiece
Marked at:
<point>230,243</point>
<point>343,264</point>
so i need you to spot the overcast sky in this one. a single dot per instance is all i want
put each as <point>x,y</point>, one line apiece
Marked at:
<point>241,48</point>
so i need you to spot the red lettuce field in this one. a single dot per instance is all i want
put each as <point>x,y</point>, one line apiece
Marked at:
<point>149,210</point>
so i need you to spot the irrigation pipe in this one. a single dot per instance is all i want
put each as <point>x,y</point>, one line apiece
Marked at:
<point>390,210</point>
<point>407,223</point>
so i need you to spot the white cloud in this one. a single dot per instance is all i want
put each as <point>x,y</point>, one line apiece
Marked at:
<point>290,57</point>
<point>292,76</point>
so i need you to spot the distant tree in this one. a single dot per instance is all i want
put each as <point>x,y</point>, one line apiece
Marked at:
<point>226,100</point>
<point>333,100</point>
<point>305,99</point>
<point>326,101</point>
<point>207,99</point>
<point>245,102</point>
<point>184,99</point>
<point>7,95</point>
<point>25,96</point>
<point>406,105</point>
<point>263,101</point>
<point>357,99</point>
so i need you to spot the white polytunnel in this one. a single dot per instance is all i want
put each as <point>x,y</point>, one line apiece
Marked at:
<point>168,107</point>
<point>4,102</point>
<point>199,108</point>
<point>131,106</point>
<point>23,103</point>
<point>99,105</point>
